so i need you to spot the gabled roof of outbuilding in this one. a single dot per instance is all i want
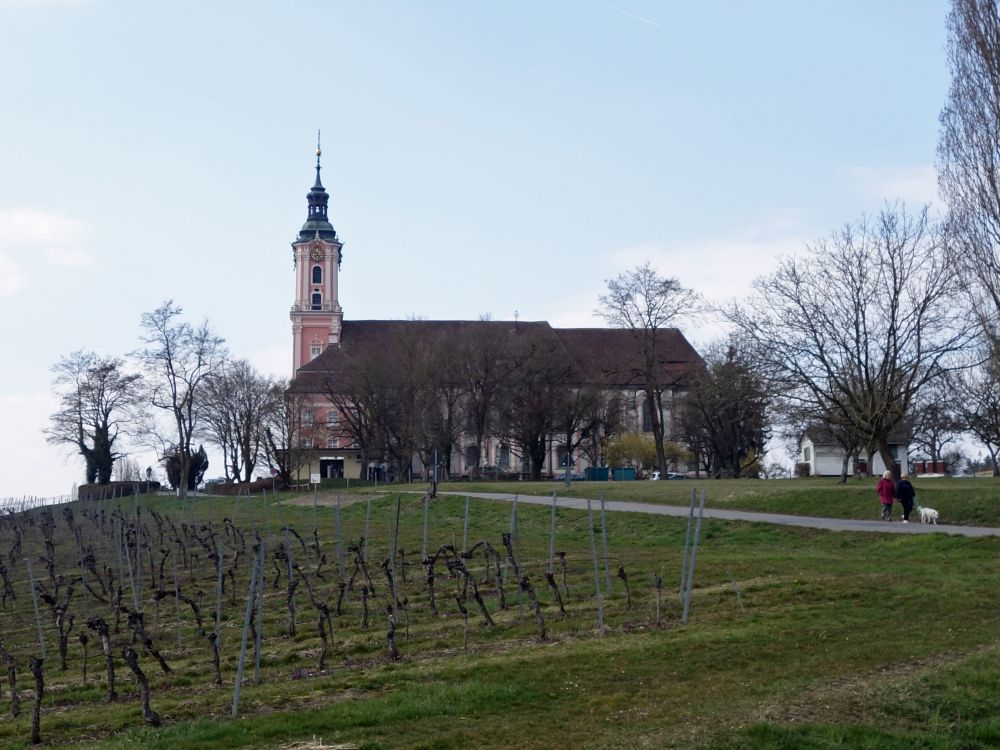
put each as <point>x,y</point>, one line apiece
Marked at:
<point>821,434</point>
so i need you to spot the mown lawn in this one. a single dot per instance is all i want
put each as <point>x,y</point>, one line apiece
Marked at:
<point>797,638</point>
<point>964,501</point>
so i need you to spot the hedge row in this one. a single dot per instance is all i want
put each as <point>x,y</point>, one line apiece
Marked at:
<point>115,489</point>
<point>233,488</point>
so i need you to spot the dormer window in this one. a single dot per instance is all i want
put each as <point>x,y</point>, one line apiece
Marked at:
<point>317,274</point>
<point>317,301</point>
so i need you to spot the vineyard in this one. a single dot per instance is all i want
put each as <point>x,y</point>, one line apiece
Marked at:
<point>396,620</point>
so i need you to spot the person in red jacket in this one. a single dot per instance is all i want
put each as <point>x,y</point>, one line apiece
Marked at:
<point>886,492</point>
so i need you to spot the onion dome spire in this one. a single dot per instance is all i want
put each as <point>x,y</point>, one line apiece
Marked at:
<point>317,199</point>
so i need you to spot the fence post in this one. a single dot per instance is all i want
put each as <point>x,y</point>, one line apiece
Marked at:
<point>260,611</point>
<point>128,564</point>
<point>597,571</point>
<point>465,526</point>
<point>218,590</point>
<point>340,542</point>
<point>694,559</point>
<point>395,580</point>
<point>552,536</point>
<point>34,601</point>
<point>687,545</point>
<point>423,549</point>
<point>177,592</point>
<point>243,643</point>
<point>604,541</point>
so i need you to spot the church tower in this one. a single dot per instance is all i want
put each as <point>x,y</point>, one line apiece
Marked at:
<point>316,313</point>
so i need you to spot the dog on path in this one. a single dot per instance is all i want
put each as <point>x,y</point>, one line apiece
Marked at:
<point>928,515</point>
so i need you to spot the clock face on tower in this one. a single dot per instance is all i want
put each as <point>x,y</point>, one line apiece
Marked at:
<point>317,252</point>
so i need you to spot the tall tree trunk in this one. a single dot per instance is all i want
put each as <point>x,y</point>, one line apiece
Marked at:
<point>656,421</point>
<point>843,468</point>
<point>887,458</point>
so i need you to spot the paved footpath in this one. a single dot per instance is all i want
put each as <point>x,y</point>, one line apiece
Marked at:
<point>811,522</point>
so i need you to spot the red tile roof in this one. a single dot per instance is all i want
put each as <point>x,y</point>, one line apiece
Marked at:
<point>604,356</point>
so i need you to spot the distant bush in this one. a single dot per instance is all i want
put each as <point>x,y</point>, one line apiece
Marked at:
<point>802,470</point>
<point>115,489</point>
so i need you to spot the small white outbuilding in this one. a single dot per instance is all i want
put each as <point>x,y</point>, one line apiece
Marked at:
<point>824,456</point>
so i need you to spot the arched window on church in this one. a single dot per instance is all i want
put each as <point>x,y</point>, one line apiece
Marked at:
<point>647,416</point>
<point>317,274</point>
<point>317,301</point>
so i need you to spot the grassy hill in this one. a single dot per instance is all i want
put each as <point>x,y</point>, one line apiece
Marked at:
<point>796,638</point>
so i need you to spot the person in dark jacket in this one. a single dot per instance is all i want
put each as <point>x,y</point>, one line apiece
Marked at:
<point>905,494</point>
<point>886,492</point>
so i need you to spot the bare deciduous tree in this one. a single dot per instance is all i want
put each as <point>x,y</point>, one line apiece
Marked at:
<point>486,364</point>
<point>935,421</point>
<point>238,403</point>
<point>646,303</point>
<point>283,446</point>
<point>97,404</point>
<point>969,150</point>
<point>180,360</point>
<point>861,323</point>
<point>977,401</point>
<point>530,400</point>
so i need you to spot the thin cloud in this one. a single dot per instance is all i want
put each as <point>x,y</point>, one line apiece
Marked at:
<point>42,469</point>
<point>30,226</point>
<point>718,268</point>
<point>630,14</point>
<point>12,279</point>
<point>29,235</point>
<point>37,4</point>
<point>915,185</point>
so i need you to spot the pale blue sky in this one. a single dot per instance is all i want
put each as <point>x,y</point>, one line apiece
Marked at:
<point>481,157</point>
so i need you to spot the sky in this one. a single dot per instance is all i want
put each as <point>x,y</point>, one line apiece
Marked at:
<point>501,157</point>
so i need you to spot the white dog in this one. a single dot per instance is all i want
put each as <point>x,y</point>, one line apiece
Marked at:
<point>928,515</point>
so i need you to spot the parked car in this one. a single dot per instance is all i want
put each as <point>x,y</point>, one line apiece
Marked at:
<point>572,476</point>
